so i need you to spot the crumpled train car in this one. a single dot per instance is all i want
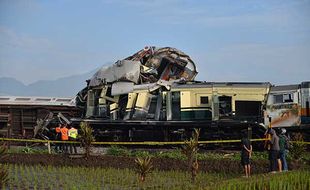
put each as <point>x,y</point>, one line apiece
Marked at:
<point>152,95</point>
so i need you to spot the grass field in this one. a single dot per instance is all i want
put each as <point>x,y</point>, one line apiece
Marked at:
<point>50,177</point>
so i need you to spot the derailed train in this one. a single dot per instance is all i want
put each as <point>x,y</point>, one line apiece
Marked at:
<point>152,95</point>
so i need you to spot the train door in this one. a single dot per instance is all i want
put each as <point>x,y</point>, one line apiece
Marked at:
<point>225,109</point>
<point>90,112</point>
<point>172,106</point>
<point>176,105</point>
<point>248,109</point>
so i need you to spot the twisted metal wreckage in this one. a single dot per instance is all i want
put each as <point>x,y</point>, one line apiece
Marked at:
<point>149,69</point>
<point>152,95</point>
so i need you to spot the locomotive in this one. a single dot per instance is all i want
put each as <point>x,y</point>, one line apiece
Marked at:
<point>152,96</point>
<point>288,106</point>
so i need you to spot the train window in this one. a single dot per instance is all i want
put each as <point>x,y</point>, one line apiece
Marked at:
<point>287,97</point>
<point>204,100</point>
<point>278,98</point>
<point>283,98</point>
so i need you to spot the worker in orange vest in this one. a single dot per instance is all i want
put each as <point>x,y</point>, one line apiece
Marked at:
<point>64,137</point>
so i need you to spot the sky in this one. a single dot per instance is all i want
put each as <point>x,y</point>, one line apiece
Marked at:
<point>239,40</point>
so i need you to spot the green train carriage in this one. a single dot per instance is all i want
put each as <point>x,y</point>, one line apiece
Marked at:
<point>221,110</point>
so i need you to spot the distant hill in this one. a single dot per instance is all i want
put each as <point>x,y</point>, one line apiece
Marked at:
<point>11,86</point>
<point>62,87</point>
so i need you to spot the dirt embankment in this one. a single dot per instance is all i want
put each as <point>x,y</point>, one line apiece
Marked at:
<point>211,165</point>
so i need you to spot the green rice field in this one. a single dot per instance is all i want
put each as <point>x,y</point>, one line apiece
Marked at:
<point>50,177</point>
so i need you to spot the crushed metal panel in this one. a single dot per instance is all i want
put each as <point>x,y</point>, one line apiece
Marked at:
<point>170,63</point>
<point>124,70</point>
<point>119,88</point>
<point>142,106</point>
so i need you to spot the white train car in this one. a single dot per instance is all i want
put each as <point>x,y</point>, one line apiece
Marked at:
<point>288,106</point>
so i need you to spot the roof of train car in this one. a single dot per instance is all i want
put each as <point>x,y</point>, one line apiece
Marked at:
<point>203,84</point>
<point>292,87</point>
<point>35,101</point>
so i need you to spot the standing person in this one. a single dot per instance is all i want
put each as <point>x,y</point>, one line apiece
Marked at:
<point>72,133</point>
<point>58,146</point>
<point>275,149</point>
<point>268,147</point>
<point>64,137</point>
<point>283,143</point>
<point>246,152</point>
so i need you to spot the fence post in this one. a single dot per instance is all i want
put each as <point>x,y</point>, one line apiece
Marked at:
<point>49,147</point>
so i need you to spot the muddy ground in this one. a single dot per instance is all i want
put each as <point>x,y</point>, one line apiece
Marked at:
<point>211,165</point>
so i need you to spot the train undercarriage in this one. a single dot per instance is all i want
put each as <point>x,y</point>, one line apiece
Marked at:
<point>173,131</point>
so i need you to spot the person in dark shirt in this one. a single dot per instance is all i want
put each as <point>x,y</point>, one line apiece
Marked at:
<point>246,152</point>
<point>284,145</point>
<point>275,149</point>
<point>58,146</point>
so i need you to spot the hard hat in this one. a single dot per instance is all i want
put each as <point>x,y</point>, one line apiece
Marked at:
<point>283,131</point>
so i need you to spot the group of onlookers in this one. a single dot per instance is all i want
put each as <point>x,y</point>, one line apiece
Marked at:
<point>277,146</point>
<point>65,132</point>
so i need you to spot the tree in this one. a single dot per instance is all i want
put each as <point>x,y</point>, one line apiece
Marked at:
<point>86,137</point>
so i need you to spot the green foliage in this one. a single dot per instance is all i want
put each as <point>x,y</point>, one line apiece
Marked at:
<point>298,148</point>
<point>232,156</point>
<point>3,170</point>
<point>143,167</point>
<point>118,151</point>
<point>86,137</point>
<point>3,152</point>
<point>49,177</point>
<point>173,154</point>
<point>141,154</point>
<point>297,180</point>
<point>27,150</point>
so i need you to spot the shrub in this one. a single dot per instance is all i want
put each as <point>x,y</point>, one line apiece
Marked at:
<point>298,147</point>
<point>3,170</point>
<point>117,151</point>
<point>141,154</point>
<point>190,150</point>
<point>86,137</point>
<point>143,167</point>
<point>174,154</point>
